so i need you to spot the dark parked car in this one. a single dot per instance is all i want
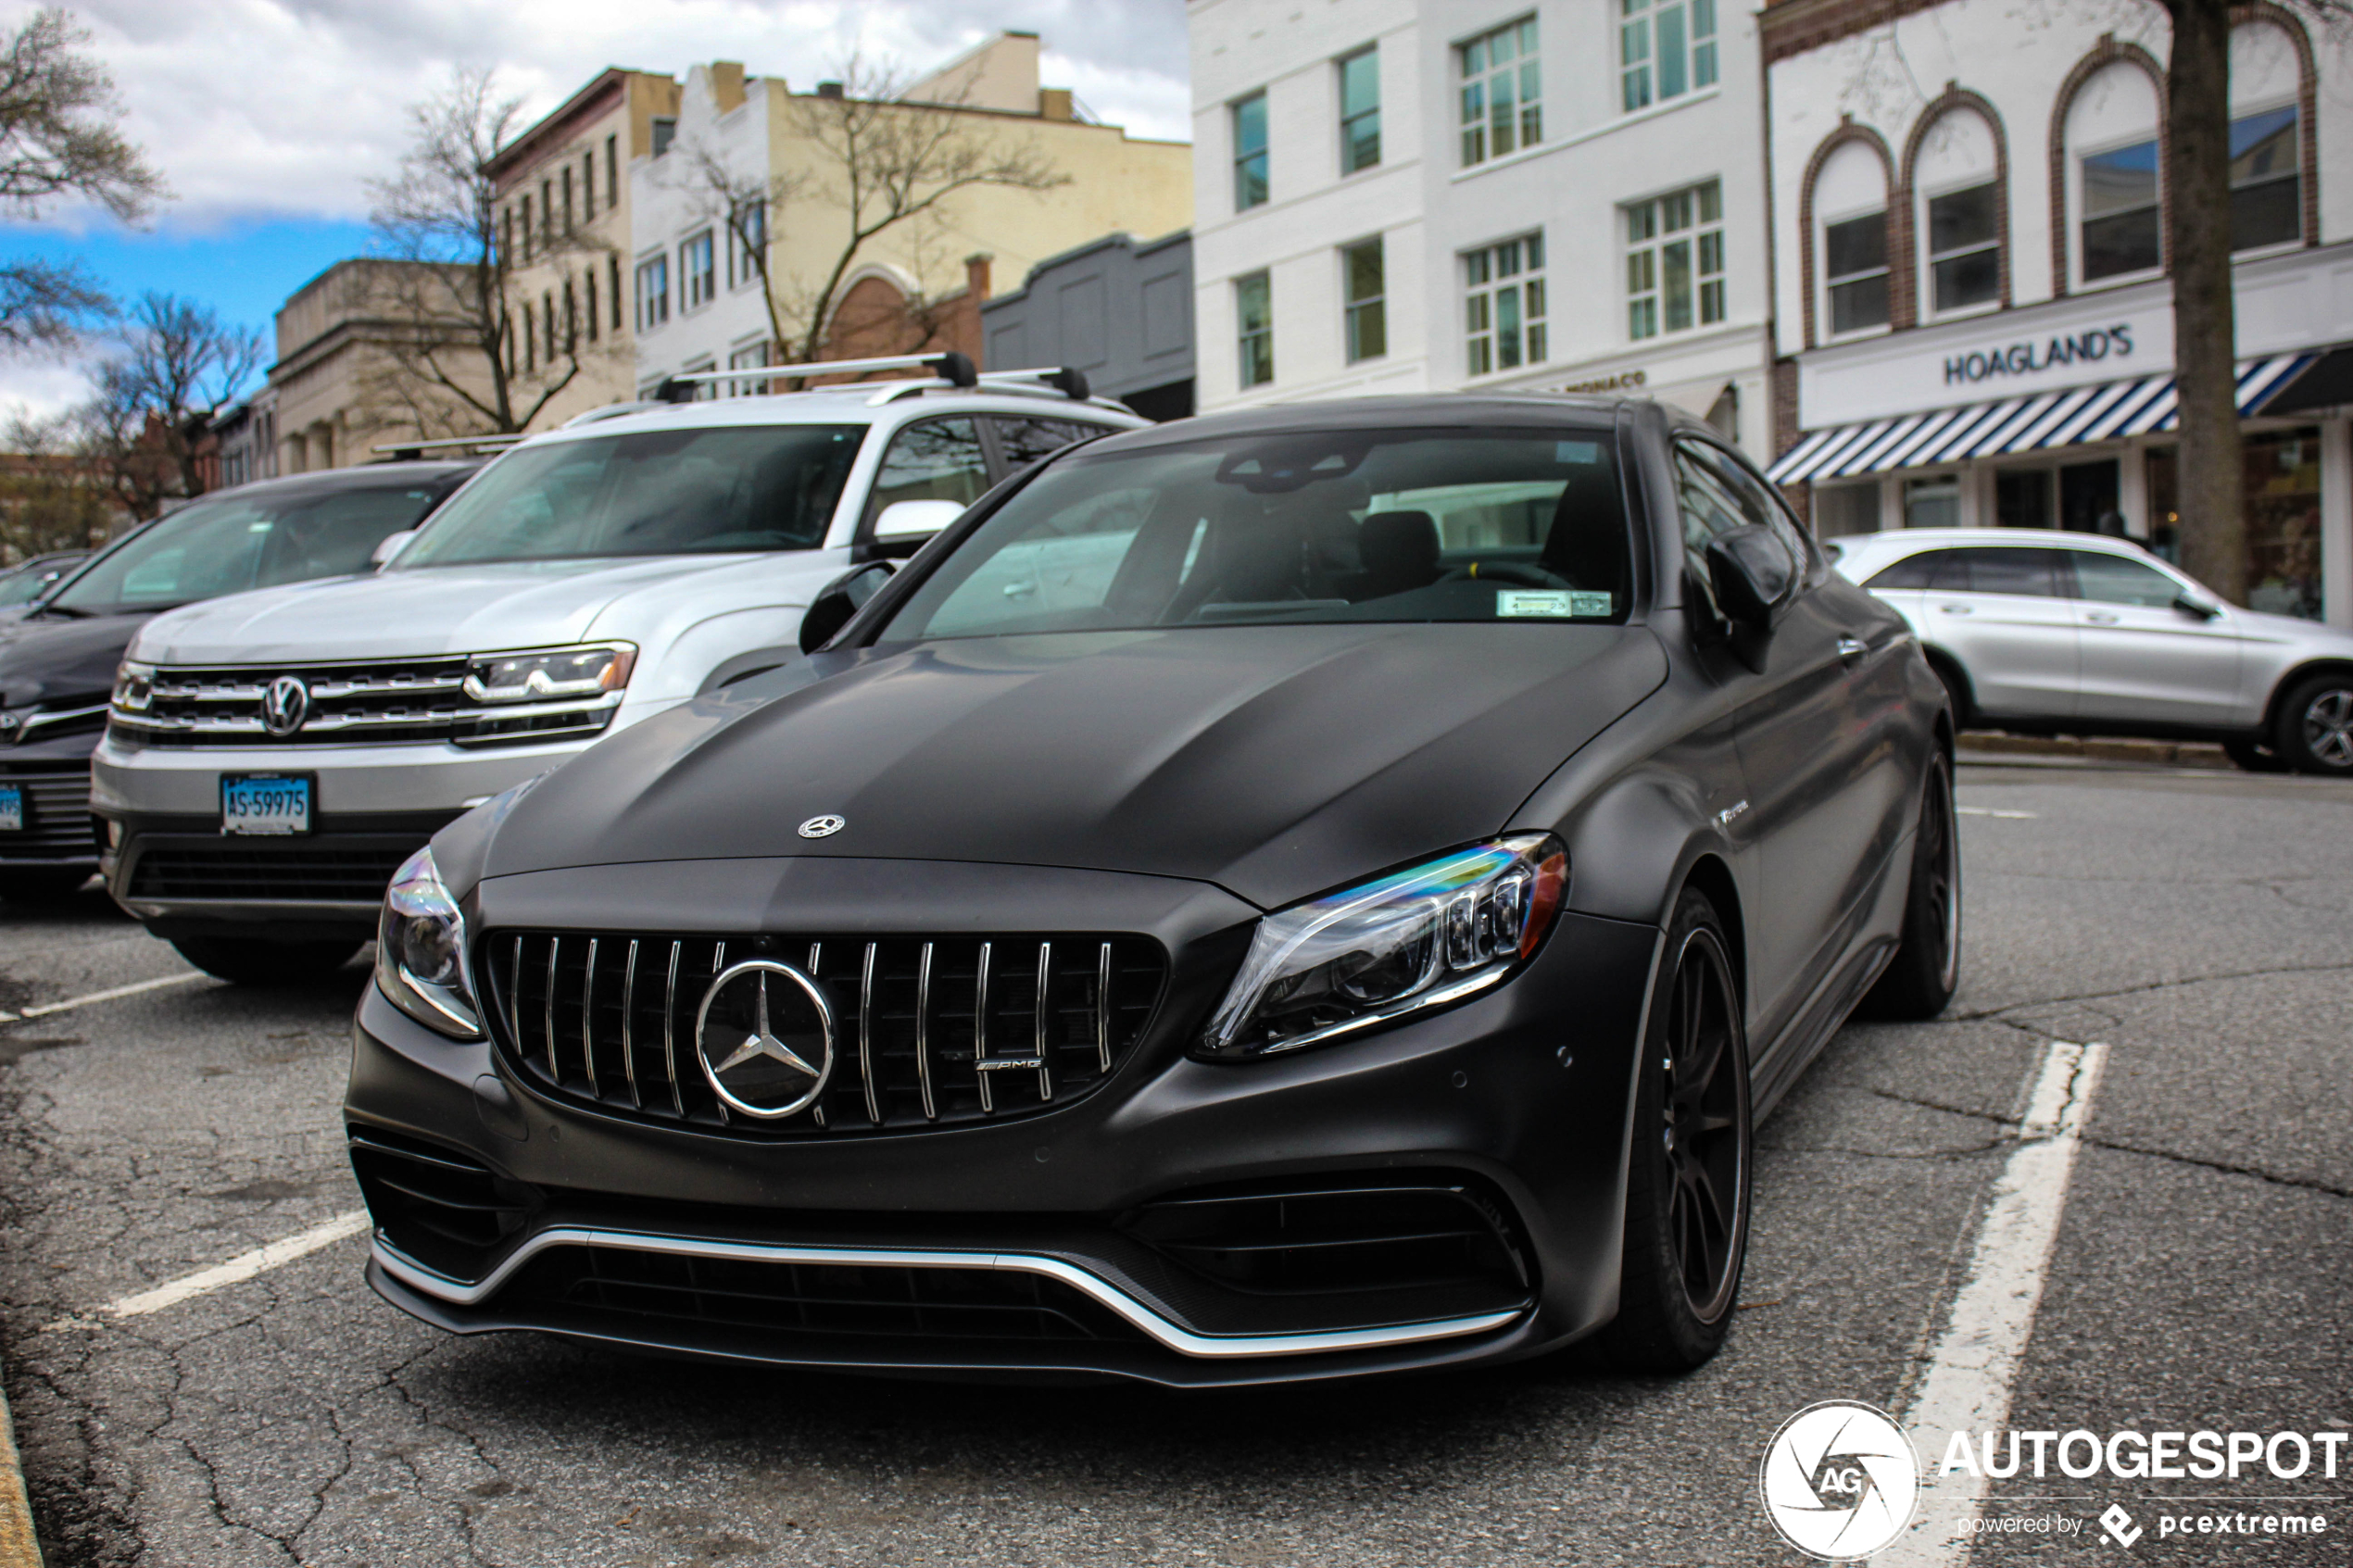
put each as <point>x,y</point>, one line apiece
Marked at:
<point>1299,892</point>
<point>59,663</point>
<point>28,580</point>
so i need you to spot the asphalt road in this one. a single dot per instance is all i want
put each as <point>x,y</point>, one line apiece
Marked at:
<point>2200,925</point>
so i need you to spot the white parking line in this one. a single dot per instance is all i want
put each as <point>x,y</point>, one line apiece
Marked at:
<point>1971,1367</point>
<point>1990,811</point>
<point>46,1008</point>
<point>237,1270</point>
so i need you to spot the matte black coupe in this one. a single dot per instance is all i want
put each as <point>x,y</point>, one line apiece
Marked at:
<point>1302,893</point>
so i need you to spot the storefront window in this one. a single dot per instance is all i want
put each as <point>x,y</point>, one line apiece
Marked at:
<point>1932,503</point>
<point>2023,498</point>
<point>2089,498</point>
<point>2284,523</point>
<point>1840,510</point>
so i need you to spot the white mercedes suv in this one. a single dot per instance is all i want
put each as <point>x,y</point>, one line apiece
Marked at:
<point>272,756</point>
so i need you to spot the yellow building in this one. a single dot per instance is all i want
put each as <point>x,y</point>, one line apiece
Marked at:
<point>338,397</point>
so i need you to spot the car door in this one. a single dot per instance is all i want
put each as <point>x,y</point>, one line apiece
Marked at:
<point>1998,611</point>
<point>2144,660</point>
<point>935,460</point>
<point>1816,799</point>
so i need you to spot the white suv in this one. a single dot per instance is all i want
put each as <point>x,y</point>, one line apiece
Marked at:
<point>272,756</point>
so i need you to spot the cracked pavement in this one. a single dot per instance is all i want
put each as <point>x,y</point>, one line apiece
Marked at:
<point>2199,924</point>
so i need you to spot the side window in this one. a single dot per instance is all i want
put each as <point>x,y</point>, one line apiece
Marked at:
<point>934,461</point>
<point>2112,579</point>
<point>1023,441</point>
<point>1758,503</point>
<point>2023,572</point>
<point>1912,571</point>
<point>1716,495</point>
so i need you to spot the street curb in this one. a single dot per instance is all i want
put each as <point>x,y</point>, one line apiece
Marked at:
<point>2166,753</point>
<point>19,1546</point>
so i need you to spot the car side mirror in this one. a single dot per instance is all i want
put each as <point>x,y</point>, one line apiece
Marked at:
<point>389,546</point>
<point>1752,574</point>
<point>2191,604</point>
<point>916,520</point>
<point>841,598</point>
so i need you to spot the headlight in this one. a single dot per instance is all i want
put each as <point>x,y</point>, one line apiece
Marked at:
<point>134,686</point>
<point>1419,939</point>
<point>541,674</point>
<point>421,952</point>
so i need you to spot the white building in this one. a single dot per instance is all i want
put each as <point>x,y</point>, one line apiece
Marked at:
<point>1969,262</point>
<point>1402,197</point>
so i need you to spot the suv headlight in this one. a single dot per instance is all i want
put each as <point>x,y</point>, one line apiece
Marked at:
<point>1415,939</point>
<point>134,686</point>
<point>421,952</point>
<point>544,674</point>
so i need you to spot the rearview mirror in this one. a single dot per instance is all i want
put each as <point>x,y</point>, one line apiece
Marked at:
<point>389,546</point>
<point>840,600</point>
<point>1752,574</point>
<point>2191,604</point>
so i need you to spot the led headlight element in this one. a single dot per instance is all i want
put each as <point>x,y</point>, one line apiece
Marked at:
<point>134,686</point>
<point>546,675</point>
<point>1416,939</point>
<point>421,952</point>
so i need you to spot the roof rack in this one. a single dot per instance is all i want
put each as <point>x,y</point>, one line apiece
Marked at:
<point>410,449</point>
<point>951,368</point>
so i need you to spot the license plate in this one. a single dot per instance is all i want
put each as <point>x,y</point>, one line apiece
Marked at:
<point>11,809</point>
<point>265,803</point>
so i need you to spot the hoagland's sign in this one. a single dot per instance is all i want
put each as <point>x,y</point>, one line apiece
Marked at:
<point>2084,348</point>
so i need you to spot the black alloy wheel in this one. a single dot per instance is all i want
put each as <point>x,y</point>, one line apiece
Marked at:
<point>1920,980</point>
<point>2316,727</point>
<point>1687,1190</point>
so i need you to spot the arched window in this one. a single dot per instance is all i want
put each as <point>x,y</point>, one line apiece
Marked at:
<point>1850,239</point>
<point>2267,140</point>
<point>1957,191</point>
<point>2115,176</point>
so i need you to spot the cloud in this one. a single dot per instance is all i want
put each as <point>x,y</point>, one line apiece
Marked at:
<point>259,108</point>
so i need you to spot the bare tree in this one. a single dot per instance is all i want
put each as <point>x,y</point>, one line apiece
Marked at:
<point>454,359</point>
<point>882,163</point>
<point>58,141</point>
<point>52,497</point>
<point>180,365</point>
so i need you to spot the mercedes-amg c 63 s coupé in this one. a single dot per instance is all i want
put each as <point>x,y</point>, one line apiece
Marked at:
<point>1307,892</point>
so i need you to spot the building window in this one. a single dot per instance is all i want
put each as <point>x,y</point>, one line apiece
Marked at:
<point>589,282</point>
<point>1360,111</point>
<point>665,131</point>
<point>568,198</point>
<point>1361,274</point>
<point>1250,152</point>
<point>1963,248</point>
<point>1664,50</point>
<point>697,276</point>
<point>753,357</point>
<point>530,339</point>
<point>2120,232</point>
<point>1675,262</point>
<point>612,269</point>
<point>1935,502</point>
<point>747,242</point>
<point>2267,194</point>
<point>548,212</point>
<point>653,293</point>
<point>1502,92</point>
<point>548,321</point>
<point>526,231</point>
<point>1505,304</point>
<point>1255,314</point>
<point>1854,271</point>
<point>507,236</point>
<point>572,319</point>
<point>589,184</point>
<point>612,175</point>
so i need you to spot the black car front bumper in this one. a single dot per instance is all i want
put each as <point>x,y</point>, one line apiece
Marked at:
<point>1177,1224</point>
<point>60,833</point>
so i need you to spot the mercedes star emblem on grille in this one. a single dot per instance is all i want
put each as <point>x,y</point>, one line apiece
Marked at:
<point>766,1049</point>
<point>822,827</point>
<point>285,705</point>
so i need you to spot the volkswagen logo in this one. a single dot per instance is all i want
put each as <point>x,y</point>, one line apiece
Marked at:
<point>284,705</point>
<point>764,1035</point>
<point>822,827</point>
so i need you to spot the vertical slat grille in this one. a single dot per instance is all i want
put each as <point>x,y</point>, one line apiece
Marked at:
<point>928,1032</point>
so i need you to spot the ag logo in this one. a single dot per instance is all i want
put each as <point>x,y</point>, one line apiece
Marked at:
<point>1840,1480</point>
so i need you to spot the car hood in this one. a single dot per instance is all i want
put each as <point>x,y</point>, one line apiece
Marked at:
<point>59,661</point>
<point>412,614</point>
<point>1275,761</point>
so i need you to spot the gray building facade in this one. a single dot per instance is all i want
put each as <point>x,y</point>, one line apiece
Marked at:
<point>1119,309</point>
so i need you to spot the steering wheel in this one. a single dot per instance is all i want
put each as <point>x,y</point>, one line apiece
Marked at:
<point>1527,574</point>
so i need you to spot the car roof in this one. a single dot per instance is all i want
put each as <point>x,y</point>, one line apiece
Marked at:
<point>1445,410</point>
<point>850,403</point>
<point>1909,541</point>
<point>366,476</point>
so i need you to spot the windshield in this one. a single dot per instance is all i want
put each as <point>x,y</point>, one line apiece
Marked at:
<point>25,585</point>
<point>1329,526</point>
<point>648,492</point>
<point>227,544</point>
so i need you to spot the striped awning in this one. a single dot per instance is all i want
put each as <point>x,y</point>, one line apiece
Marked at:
<point>2108,411</point>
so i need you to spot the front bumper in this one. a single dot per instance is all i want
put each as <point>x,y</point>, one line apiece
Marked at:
<point>877,1252</point>
<point>58,833</point>
<point>168,864</point>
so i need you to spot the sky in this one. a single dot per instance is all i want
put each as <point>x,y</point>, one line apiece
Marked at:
<point>268,116</point>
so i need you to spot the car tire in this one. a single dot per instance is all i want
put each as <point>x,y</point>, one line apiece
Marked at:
<point>1956,691</point>
<point>247,962</point>
<point>1920,980</point>
<point>2315,731</point>
<point>34,884</point>
<point>2252,757</point>
<point>1689,1160</point>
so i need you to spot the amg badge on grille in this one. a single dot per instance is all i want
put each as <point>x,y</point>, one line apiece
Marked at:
<point>765,1037</point>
